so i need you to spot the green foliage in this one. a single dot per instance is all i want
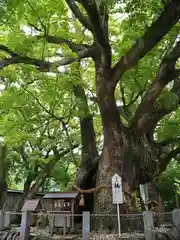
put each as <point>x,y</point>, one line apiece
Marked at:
<point>168,187</point>
<point>169,126</point>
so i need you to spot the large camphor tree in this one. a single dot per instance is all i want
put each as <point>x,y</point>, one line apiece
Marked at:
<point>118,40</point>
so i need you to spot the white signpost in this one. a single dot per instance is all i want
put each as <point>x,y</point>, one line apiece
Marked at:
<point>117,196</point>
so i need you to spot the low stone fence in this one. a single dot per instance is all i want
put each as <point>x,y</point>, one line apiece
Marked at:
<point>143,227</point>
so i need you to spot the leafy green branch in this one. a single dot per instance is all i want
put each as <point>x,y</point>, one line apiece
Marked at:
<point>42,65</point>
<point>84,20</point>
<point>159,28</point>
<point>99,20</point>
<point>167,73</point>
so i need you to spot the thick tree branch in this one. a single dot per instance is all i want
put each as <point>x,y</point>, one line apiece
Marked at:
<point>89,161</point>
<point>166,74</point>
<point>84,20</point>
<point>58,40</point>
<point>99,20</point>
<point>7,50</point>
<point>75,47</point>
<point>166,160</point>
<point>42,65</point>
<point>158,113</point>
<point>167,19</point>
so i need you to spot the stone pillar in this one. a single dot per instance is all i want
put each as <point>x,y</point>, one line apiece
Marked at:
<point>150,235</point>
<point>25,225</point>
<point>7,219</point>
<point>148,220</point>
<point>2,220</point>
<point>86,225</point>
<point>148,225</point>
<point>176,218</point>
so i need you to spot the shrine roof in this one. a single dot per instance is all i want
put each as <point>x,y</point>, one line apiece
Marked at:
<point>61,195</point>
<point>21,192</point>
<point>31,205</point>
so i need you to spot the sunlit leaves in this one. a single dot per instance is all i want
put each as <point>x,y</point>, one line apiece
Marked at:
<point>169,127</point>
<point>168,100</point>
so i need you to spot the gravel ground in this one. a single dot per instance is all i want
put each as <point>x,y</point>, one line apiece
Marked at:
<point>39,232</point>
<point>162,230</point>
<point>99,236</point>
<point>94,236</point>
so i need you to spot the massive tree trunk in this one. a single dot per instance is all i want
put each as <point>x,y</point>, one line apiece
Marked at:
<point>86,173</point>
<point>115,145</point>
<point>126,152</point>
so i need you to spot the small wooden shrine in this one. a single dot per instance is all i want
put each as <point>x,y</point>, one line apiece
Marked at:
<point>62,210</point>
